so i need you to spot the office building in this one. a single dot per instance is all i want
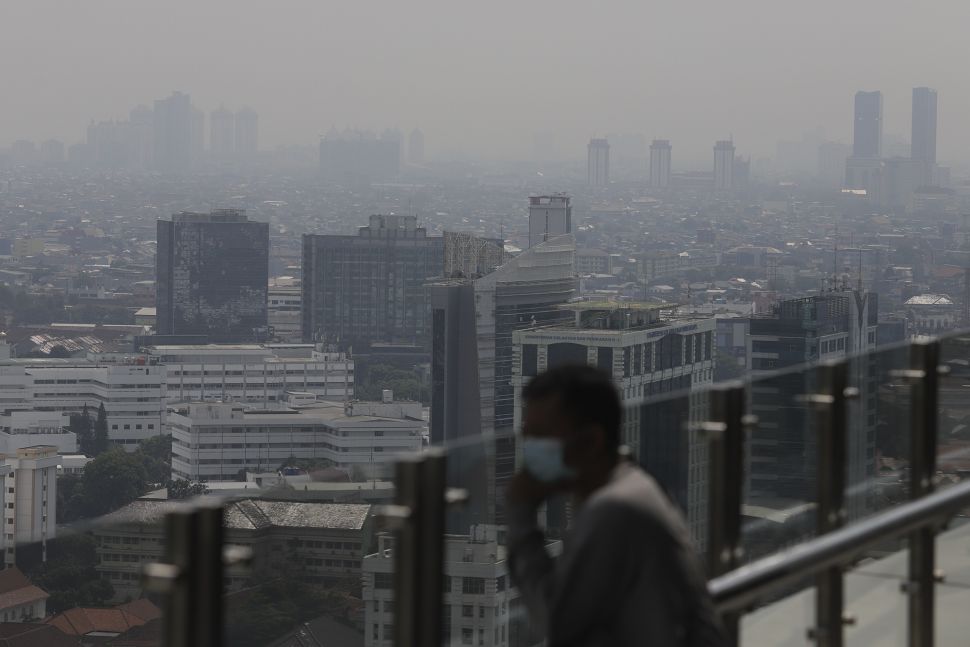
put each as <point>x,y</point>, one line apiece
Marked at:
<point>219,441</point>
<point>370,288</point>
<point>172,148</point>
<point>782,449</point>
<point>598,162</point>
<point>867,131</point>
<point>324,542</point>
<point>660,164</point>
<point>923,143</point>
<point>132,394</point>
<point>724,165</point>
<point>29,499</point>
<point>251,373</point>
<point>831,164</point>
<point>222,135</point>
<point>212,276</point>
<point>472,395</point>
<point>549,216</point>
<point>246,133</point>
<point>285,311</point>
<point>359,156</point>
<point>416,147</point>
<point>481,607</point>
<point>647,355</point>
<point>24,428</point>
<point>471,256</point>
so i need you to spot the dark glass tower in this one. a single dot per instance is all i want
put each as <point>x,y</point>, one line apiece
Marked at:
<point>212,275</point>
<point>867,132</point>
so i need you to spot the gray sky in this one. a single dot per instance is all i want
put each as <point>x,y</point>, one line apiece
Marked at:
<point>482,77</point>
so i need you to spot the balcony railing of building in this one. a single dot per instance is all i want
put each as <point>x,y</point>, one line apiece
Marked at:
<point>824,500</point>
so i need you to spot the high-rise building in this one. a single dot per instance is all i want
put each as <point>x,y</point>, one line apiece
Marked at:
<point>359,156</point>
<point>646,356</point>
<point>247,132</point>
<point>416,147</point>
<point>222,136</point>
<point>660,164</point>
<point>598,162</point>
<point>472,395</point>
<point>549,216</point>
<point>173,131</point>
<point>724,165</point>
<point>867,131</point>
<point>831,163</point>
<point>212,276</point>
<point>198,133</point>
<point>370,288</point>
<point>782,449</point>
<point>30,510</point>
<point>923,143</point>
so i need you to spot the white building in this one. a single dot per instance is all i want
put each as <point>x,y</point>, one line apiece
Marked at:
<point>19,429</point>
<point>29,497</point>
<point>215,441</point>
<point>660,164</point>
<point>285,309</point>
<point>480,605</point>
<point>131,393</point>
<point>549,216</point>
<point>252,372</point>
<point>647,355</point>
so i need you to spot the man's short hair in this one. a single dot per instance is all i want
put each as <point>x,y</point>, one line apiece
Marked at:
<point>586,394</point>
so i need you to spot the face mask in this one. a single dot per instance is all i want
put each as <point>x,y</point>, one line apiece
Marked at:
<point>542,458</point>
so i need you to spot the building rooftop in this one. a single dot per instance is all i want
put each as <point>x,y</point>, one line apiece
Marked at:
<point>251,514</point>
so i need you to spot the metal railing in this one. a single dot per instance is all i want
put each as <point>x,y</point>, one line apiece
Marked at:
<point>422,494</point>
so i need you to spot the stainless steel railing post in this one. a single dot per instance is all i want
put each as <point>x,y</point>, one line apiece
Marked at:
<point>920,584</point>
<point>829,420</point>
<point>725,435</point>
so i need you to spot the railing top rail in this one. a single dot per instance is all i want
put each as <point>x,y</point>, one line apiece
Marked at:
<point>745,586</point>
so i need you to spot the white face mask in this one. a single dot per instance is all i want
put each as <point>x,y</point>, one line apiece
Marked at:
<point>543,459</point>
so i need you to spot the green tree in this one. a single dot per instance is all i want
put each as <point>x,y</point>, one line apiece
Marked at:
<point>69,574</point>
<point>81,426</point>
<point>100,444</point>
<point>70,499</point>
<point>179,489</point>
<point>112,480</point>
<point>156,456</point>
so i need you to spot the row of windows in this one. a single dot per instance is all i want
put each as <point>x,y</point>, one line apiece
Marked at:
<point>332,563</point>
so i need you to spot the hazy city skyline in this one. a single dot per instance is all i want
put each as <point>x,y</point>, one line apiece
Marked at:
<point>487,84</point>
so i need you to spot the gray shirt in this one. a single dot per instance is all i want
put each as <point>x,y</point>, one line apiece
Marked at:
<point>627,576</point>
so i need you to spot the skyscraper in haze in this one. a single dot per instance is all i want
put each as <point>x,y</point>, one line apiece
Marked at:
<point>247,132</point>
<point>222,126</point>
<point>598,162</point>
<point>724,165</point>
<point>370,288</point>
<point>416,147</point>
<point>212,276</point>
<point>549,216</point>
<point>198,133</point>
<point>867,131</point>
<point>924,131</point>
<point>472,395</point>
<point>172,124</point>
<point>660,164</point>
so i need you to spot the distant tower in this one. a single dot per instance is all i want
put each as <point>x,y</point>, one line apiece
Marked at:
<point>867,131</point>
<point>198,132</point>
<point>598,162</point>
<point>724,165</point>
<point>172,125</point>
<point>222,127</point>
<point>549,216</point>
<point>924,131</point>
<point>660,164</point>
<point>247,132</point>
<point>416,147</point>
